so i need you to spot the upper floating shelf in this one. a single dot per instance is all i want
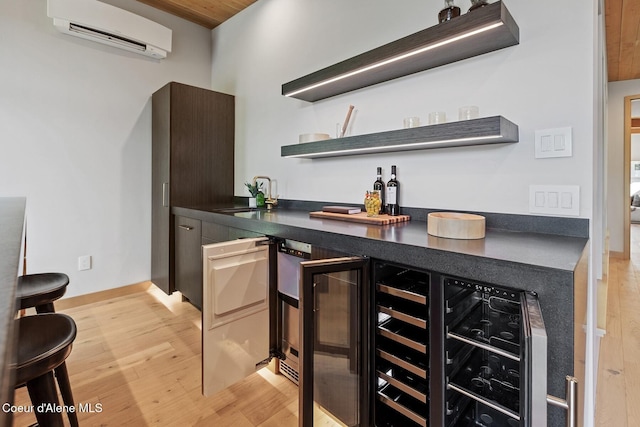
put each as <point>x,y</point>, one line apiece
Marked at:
<point>487,130</point>
<point>475,33</point>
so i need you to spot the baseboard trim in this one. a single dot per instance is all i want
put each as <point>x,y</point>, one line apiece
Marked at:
<point>616,254</point>
<point>72,302</point>
<point>602,295</point>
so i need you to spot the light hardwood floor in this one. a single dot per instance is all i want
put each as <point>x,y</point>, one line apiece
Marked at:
<point>618,389</point>
<point>138,355</point>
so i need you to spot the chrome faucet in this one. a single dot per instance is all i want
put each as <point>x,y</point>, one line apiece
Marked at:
<point>269,201</point>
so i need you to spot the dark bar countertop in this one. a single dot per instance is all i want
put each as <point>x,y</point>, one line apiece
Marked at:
<point>408,243</point>
<point>12,211</point>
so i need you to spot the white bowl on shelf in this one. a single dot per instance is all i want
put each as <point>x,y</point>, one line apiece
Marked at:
<point>312,137</point>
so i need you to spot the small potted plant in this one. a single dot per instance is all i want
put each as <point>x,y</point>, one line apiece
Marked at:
<point>254,190</point>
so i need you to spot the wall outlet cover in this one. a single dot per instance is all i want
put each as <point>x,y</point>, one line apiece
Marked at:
<point>558,200</point>
<point>84,263</point>
<point>553,143</point>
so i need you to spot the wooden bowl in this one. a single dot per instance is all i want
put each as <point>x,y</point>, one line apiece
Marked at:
<point>454,225</point>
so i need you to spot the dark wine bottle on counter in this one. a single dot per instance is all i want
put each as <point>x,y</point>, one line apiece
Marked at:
<point>393,187</point>
<point>449,12</point>
<point>379,186</point>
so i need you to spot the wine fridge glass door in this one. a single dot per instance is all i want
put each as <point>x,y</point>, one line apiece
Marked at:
<point>332,336</point>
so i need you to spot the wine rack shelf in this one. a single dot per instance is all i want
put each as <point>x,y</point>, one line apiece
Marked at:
<point>402,346</point>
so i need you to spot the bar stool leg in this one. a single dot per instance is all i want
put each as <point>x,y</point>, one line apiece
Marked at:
<point>42,390</point>
<point>65,389</point>
<point>62,376</point>
<point>45,308</point>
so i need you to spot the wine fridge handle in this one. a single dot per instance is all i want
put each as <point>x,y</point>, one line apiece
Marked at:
<point>570,402</point>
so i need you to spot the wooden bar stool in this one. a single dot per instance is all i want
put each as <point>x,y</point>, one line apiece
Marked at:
<point>44,342</point>
<point>40,291</point>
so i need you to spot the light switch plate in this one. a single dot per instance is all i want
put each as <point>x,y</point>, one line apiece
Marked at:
<point>553,143</point>
<point>561,200</point>
<point>84,263</point>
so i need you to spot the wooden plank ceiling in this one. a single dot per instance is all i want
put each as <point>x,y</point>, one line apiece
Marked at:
<point>623,39</point>
<point>622,27</point>
<point>208,13</point>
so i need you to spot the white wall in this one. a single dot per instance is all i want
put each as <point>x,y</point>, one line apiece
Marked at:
<point>635,146</point>
<point>635,137</point>
<point>545,82</point>
<point>549,80</point>
<point>635,108</point>
<point>615,176</point>
<point>75,139</point>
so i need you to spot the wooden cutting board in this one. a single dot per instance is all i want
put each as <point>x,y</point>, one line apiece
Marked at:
<point>361,217</point>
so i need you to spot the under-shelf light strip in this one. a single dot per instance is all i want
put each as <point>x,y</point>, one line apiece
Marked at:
<point>397,58</point>
<point>395,147</point>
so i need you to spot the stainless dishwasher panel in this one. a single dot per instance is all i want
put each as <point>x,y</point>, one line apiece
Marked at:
<point>289,367</point>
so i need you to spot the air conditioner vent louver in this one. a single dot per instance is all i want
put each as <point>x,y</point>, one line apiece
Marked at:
<point>106,24</point>
<point>106,36</point>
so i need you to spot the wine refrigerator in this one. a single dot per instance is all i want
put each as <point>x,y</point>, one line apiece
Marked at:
<point>454,352</point>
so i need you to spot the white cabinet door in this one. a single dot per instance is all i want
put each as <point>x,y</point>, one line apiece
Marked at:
<point>235,311</point>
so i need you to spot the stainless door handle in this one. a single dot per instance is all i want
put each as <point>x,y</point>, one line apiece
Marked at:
<point>165,194</point>
<point>570,402</point>
<point>315,298</point>
<point>186,227</point>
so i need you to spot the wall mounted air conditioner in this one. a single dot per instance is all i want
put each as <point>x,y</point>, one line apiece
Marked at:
<point>103,23</point>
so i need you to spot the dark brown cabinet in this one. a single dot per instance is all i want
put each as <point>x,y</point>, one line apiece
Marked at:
<point>188,262</point>
<point>192,164</point>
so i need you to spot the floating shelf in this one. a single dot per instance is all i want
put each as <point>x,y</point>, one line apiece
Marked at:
<point>488,130</point>
<point>475,33</point>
